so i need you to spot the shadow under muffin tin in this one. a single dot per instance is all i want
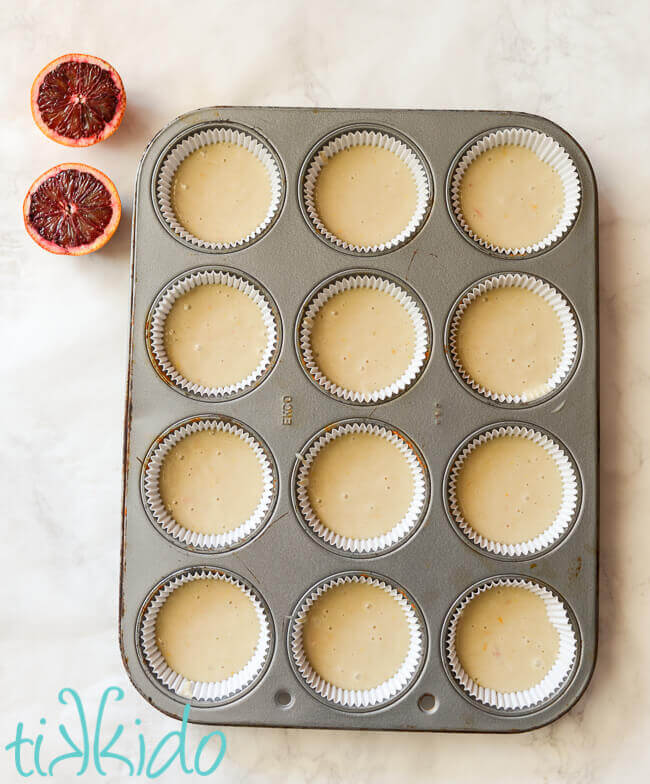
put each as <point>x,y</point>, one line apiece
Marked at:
<point>434,566</point>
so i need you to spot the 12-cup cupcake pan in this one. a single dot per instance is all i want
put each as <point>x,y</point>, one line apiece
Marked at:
<point>282,557</point>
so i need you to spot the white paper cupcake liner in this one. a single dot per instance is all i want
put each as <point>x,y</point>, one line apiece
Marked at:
<point>176,289</point>
<point>548,151</point>
<point>377,543</point>
<point>421,347</point>
<point>358,698</point>
<point>195,142</point>
<point>164,518</point>
<point>208,691</point>
<point>556,527</point>
<point>371,139</point>
<point>554,679</point>
<point>562,310</point>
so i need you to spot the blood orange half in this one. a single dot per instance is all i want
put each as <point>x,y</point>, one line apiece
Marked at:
<point>72,209</point>
<point>78,100</point>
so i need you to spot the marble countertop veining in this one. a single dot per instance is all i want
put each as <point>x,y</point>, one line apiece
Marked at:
<point>64,325</point>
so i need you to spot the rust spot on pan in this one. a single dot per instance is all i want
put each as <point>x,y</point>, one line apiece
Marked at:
<point>575,567</point>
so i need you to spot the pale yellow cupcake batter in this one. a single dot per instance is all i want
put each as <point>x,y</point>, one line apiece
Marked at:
<point>207,630</point>
<point>509,489</point>
<point>363,339</point>
<point>356,636</point>
<point>365,195</point>
<point>211,481</point>
<point>215,335</point>
<point>360,485</point>
<point>221,192</point>
<point>510,341</point>
<point>505,640</point>
<point>510,198</point>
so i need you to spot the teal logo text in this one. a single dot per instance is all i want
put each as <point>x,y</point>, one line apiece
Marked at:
<point>88,748</point>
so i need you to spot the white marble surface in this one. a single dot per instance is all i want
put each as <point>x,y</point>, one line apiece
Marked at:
<point>63,325</point>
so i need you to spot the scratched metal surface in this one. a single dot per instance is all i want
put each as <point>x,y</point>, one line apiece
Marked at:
<point>435,565</point>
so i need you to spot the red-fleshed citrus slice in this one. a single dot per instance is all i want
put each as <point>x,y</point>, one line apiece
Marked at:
<point>72,209</point>
<point>78,100</point>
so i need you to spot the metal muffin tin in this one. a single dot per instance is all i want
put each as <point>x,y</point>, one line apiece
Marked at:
<point>436,565</point>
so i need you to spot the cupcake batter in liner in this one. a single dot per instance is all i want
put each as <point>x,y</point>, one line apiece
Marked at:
<point>375,544</point>
<point>214,691</point>
<point>565,317</point>
<point>554,679</point>
<point>371,139</point>
<point>548,151</point>
<point>358,698</point>
<point>186,283</point>
<point>164,518</point>
<point>193,143</point>
<point>418,321</point>
<point>556,527</point>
